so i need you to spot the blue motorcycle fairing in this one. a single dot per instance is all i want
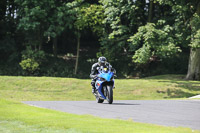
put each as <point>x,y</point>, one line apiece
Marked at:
<point>100,91</point>
<point>99,83</point>
<point>106,76</point>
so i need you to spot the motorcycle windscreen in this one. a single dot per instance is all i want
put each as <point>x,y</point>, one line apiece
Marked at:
<point>107,76</point>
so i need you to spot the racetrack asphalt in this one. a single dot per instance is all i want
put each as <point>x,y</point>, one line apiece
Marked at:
<point>175,113</point>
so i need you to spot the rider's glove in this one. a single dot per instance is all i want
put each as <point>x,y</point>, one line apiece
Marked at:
<point>95,77</point>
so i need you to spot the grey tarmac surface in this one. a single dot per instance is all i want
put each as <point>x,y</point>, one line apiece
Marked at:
<point>175,113</point>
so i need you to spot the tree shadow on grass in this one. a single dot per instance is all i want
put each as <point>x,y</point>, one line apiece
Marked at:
<point>182,88</point>
<point>178,93</point>
<point>189,86</point>
<point>192,86</point>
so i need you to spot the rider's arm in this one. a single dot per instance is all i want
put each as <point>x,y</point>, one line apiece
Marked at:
<point>112,69</point>
<point>93,72</point>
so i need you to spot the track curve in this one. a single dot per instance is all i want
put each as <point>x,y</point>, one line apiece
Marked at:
<point>176,113</point>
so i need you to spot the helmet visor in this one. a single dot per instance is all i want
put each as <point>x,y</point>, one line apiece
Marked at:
<point>102,62</point>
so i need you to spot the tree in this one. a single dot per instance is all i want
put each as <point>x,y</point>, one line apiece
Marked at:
<point>78,25</point>
<point>32,20</point>
<point>194,60</point>
<point>155,43</point>
<point>8,33</point>
<point>150,15</point>
<point>186,25</point>
<point>174,35</point>
<point>88,16</point>
<point>43,19</point>
<point>122,20</point>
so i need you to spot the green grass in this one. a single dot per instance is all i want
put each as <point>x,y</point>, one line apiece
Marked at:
<point>16,117</point>
<point>47,88</point>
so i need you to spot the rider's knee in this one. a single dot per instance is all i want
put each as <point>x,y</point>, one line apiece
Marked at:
<point>93,83</point>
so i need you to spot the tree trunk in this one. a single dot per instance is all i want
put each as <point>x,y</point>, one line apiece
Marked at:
<point>77,55</point>
<point>40,45</point>
<point>150,16</point>
<point>194,65</point>
<point>40,39</point>
<point>55,46</point>
<point>194,60</point>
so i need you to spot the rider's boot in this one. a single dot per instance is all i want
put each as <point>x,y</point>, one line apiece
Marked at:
<point>93,90</point>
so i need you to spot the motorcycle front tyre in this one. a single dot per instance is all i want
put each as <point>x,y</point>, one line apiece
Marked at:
<point>109,96</point>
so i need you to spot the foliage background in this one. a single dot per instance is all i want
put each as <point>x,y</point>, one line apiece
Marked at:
<point>139,38</point>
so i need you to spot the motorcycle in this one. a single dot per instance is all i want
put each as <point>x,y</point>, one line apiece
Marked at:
<point>104,86</point>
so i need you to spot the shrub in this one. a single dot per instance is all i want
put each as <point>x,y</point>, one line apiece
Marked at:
<point>32,60</point>
<point>29,65</point>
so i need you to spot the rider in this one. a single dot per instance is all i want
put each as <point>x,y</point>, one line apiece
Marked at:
<point>96,67</point>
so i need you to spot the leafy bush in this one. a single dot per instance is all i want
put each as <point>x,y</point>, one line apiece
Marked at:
<point>37,55</point>
<point>32,60</point>
<point>29,65</point>
<point>155,42</point>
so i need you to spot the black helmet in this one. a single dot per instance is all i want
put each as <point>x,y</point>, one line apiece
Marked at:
<point>102,60</point>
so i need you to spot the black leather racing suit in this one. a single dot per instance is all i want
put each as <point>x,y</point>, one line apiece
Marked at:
<point>94,72</point>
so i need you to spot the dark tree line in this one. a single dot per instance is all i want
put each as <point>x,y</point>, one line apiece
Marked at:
<point>64,38</point>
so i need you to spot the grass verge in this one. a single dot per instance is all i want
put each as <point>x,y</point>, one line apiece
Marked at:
<point>47,88</point>
<point>17,117</point>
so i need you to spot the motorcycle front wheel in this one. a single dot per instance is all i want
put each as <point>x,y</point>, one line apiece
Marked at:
<point>109,95</point>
